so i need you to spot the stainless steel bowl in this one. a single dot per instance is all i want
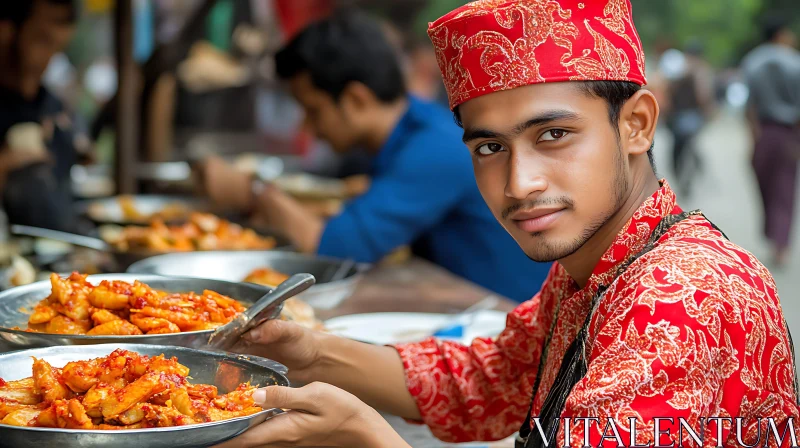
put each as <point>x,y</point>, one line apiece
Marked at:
<point>16,303</point>
<point>235,266</point>
<point>226,371</point>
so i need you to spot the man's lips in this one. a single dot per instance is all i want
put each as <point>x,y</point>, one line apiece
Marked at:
<point>536,220</point>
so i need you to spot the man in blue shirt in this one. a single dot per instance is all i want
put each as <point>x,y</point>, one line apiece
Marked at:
<point>423,193</point>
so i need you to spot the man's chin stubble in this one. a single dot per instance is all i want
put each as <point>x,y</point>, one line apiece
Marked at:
<point>549,253</point>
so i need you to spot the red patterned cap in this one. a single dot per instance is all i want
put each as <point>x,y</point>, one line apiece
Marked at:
<point>492,45</point>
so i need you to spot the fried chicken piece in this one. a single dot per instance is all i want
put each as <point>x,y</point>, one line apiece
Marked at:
<point>42,314</point>
<point>95,397</point>
<point>71,414</point>
<point>149,384</point>
<point>64,325</point>
<point>162,416</point>
<point>112,295</point>
<point>81,376</point>
<point>153,325</point>
<point>101,316</point>
<point>20,392</point>
<point>116,327</point>
<point>22,417</point>
<point>47,382</point>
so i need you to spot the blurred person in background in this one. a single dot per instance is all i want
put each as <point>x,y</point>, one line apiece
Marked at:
<point>772,72</point>
<point>345,74</point>
<point>691,105</point>
<point>37,148</point>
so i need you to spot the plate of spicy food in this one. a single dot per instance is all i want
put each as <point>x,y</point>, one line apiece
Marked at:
<point>122,308</point>
<point>130,395</point>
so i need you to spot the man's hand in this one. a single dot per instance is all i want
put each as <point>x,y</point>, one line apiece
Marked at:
<point>230,187</point>
<point>290,344</point>
<point>317,415</point>
<point>226,185</point>
<point>372,373</point>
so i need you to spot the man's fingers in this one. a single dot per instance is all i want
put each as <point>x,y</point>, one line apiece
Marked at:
<point>278,431</point>
<point>271,331</point>
<point>302,399</point>
<point>283,429</point>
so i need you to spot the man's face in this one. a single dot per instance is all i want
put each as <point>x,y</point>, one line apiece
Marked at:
<point>548,163</point>
<point>46,32</point>
<point>324,117</point>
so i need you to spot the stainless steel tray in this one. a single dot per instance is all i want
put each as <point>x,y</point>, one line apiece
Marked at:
<point>223,370</point>
<point>16,303</point>
<point>109,210</point>
<point>235,266</point>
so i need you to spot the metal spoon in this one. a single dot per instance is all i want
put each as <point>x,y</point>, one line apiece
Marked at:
<point>227,335</point>
<point>64,237</point>
<point>467,317</point>
<point>343,270</point>
<point>456,320</point>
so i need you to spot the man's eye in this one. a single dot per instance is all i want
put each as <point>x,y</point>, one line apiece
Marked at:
<point>489,149</point>
<point>553,134</point>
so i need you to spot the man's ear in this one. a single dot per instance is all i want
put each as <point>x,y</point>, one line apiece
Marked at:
<point>357,96</point>
<point>637,122</point>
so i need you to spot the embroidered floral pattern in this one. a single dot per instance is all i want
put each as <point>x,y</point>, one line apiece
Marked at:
<point>492,45</point>
<point>692,329</point>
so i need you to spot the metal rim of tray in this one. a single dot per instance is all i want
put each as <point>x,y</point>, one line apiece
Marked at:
<point>262,363</point>
<point>198,335</point>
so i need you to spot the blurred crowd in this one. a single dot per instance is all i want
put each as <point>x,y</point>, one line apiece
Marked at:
<point>765,89</point>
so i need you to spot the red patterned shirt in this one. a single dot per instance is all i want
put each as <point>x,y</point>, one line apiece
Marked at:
<point>692,329</point>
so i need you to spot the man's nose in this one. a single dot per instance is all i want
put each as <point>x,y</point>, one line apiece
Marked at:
<point>525,178</point>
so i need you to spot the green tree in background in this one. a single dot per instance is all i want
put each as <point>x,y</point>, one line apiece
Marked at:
<point>727,28</point>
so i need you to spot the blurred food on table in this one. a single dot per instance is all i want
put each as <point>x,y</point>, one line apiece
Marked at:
<point>266,276</point>
<point>119,308</point>
<point>123,390</point>
<point>294,309</point>
<point>203,231</point>
<point>22,271</point>
<point>16,271</point>
<point>133,213</point>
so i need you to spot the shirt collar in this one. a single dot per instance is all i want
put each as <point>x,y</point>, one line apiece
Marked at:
<point>634,235</point>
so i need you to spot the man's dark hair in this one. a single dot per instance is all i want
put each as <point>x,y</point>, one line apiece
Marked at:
<point>18,11</point>
<point>772,25</point>
<point>347,47</point>
<point>615,93</point>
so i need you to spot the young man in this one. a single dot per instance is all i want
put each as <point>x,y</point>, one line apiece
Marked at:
<point>650,323</point>
<point>772,72</point>
<point>345,74</point>
<point>36,139</point>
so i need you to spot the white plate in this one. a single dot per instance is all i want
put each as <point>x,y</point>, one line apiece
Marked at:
<point>394,328</point>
